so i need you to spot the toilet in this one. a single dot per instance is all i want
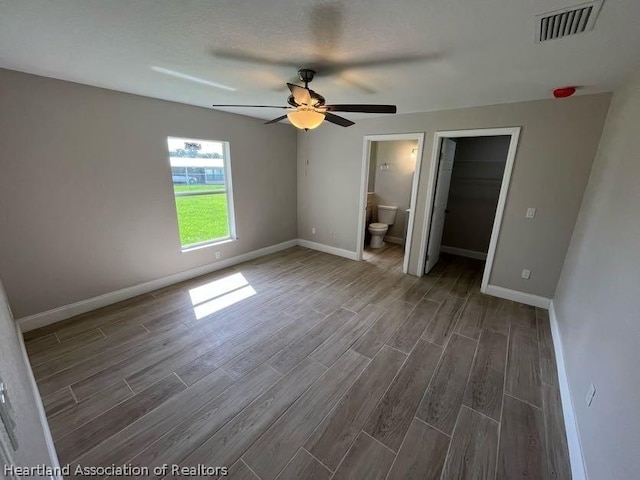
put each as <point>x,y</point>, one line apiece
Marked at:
<point>386,217</point>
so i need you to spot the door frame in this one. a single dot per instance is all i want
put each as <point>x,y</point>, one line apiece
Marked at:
<point>514,133</point>
<point>364,180</point>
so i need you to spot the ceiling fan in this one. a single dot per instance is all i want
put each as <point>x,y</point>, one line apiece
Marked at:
<point>307,109</point>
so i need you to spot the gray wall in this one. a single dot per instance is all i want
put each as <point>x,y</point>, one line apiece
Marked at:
<point>597,303</point>
<point>15,372</point>
<point>86,193</point>
<point>371,183</point>
<point>478,169</point>
<point>557,146</point>
<point>393,186</point>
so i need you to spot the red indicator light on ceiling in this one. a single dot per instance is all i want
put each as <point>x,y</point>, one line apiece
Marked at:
<point>564,92</point>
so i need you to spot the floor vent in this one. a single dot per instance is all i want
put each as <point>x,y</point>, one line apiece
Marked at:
<point>567,21</point>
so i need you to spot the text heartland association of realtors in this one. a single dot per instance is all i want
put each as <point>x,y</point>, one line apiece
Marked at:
<point>114,471</point>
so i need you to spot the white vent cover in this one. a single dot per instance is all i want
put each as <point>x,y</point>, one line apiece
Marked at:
<point>567,21</point>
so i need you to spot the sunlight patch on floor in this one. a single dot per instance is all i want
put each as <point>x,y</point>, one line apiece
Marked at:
<point>220,294</point>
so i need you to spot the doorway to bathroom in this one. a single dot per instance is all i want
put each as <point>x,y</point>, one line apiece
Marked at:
<point>390,177</point>
<point>467,190</point>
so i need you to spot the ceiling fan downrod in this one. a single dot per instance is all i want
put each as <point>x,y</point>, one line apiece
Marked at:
<point>306,75</point>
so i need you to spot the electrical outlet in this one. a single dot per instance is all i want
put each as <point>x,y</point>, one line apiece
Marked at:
<point>313,231</point>
<point>217,254</point>
<point>531,213</point>
<point>526,274</point>
<point>590,394</point>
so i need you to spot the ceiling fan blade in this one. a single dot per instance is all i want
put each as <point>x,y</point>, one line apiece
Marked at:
<point>251,106</point>
<point>361,108</point>
<point>343,122</point>
<point>249,57</point>
<point>325,25</point>
<point>351,81</point>
<point>300,94</point>
<point>276,120</point>
<point>335,67</point>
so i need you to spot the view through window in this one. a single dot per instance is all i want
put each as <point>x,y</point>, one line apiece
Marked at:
<point>202,186</point>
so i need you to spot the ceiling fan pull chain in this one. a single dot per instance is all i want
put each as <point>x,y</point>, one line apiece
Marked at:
<point>306,152</point>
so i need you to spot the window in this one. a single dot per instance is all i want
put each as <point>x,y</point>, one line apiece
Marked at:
<point>202,186</point>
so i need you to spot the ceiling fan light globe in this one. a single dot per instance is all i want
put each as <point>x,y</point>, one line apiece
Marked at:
<point>306,119</point>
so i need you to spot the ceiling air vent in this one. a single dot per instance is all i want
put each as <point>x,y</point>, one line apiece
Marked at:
<point>567,21</point>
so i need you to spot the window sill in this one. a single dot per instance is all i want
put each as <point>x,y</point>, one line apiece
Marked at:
<point>213,243</point>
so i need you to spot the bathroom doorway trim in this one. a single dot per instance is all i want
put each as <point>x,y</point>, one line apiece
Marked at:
<point>514,133</point>
<point>366,158</point>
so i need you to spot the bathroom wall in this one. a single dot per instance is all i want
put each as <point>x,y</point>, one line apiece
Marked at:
<point>478,169</point>
<point>393,186</point>
<point>371,185</point>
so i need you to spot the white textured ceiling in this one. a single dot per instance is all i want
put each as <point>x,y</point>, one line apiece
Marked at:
<point>467,52</point>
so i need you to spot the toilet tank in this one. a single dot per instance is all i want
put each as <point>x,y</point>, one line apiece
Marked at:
<point>387,214</point>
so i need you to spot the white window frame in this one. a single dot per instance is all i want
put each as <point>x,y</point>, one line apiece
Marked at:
<point>228,190</point>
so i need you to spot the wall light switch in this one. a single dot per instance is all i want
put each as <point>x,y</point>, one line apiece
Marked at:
<point>313,231</point>
<point>531,213</point>
<point>526,274</point>
<point>590,394</point>
<point>217,254</point>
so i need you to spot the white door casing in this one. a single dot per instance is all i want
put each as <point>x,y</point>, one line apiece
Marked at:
<point>25,439</point>
<point>364,175</point>
<point>439,136</point>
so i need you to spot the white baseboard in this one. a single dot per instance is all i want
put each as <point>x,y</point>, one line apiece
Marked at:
<point>578,470</point>
<point>67,311</point>
<point>396,240</point>
<point>462,252</point>
<point>516,296</point>
<point>328,249</point>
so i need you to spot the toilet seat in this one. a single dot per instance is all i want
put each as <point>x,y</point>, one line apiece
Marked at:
<point>378,227</point>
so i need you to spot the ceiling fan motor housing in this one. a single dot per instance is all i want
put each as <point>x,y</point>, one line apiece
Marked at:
<point>317,100</point>
<point>306,74</point>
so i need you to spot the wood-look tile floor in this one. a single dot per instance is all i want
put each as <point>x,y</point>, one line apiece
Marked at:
<point>303,365</point>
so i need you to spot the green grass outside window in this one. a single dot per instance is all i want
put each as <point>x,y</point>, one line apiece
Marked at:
<point>202,218</point>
